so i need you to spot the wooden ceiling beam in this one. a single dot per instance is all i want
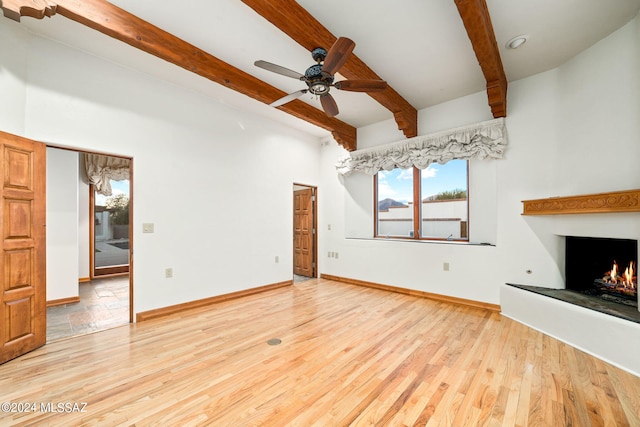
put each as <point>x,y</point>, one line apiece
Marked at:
<point>301,26</point>
<point>476,19</point>
<point>108,19</point>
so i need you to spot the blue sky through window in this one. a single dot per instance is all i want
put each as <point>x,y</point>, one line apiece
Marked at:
<point>117,187</point>
<point>398,183</point>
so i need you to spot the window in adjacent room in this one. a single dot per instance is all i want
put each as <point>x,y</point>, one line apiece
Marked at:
<point>428,204</point>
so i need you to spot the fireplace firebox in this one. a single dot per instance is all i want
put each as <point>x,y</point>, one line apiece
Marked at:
<point>603,267</point>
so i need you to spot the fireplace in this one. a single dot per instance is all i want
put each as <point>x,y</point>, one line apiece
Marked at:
<point>603,267</point>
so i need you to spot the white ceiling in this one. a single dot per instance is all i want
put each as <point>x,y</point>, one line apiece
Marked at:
<point>420,47</point>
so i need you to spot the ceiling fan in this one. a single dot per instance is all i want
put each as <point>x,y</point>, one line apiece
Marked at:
<point>319,77</point>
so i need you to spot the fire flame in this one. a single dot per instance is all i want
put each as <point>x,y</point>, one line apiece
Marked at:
<point>628,273</point>
<point>627,280</point>
<point>614,273</point>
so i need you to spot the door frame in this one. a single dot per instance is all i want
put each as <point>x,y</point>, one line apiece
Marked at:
<point>116,270</point>
<point>314,220</point>
<point>91,216</point>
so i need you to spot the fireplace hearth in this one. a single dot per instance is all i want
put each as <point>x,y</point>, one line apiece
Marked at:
<point>600,275</point>
<point>622,311</point>
<point>603,267</point>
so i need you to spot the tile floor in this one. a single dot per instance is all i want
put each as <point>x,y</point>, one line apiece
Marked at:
<point>104,304</point>
<point>299,279</point>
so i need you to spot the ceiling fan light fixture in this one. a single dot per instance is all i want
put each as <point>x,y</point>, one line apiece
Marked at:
<point>319,88</point>
<point>517,41</point>
<point>318,81</point>
<point>320,76</point>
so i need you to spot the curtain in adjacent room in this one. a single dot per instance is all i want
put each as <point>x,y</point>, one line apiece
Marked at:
<point>478,141</point>
<point>101,169</point>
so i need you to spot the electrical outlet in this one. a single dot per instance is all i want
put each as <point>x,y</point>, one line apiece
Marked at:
<point>329,227</point>
<point>168,273</point>
<point>445,266</point>
<point>277,259</point>
<point>147,227</point>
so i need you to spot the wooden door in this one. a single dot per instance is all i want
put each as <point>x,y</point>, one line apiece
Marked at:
<point>303,233</point>
<point>23,324</point>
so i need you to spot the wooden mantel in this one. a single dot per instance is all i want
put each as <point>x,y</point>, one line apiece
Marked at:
<point>616,201</point>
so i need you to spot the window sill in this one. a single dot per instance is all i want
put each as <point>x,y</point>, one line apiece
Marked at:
<point>436,242</point>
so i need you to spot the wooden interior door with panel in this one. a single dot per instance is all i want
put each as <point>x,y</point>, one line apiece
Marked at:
<point>23,313</point>
<point>303,238</point>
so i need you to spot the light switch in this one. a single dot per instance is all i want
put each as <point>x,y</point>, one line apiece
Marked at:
<point>147,227</point>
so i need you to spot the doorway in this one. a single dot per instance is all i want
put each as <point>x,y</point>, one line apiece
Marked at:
<point>304,232</point>
<point>27,243</point>
<point>103,285</point>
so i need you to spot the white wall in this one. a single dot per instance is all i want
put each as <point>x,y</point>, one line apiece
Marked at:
<point>62,224</point>
<point>565,128</point>
<point>408,264</point>
<point>592,146</point>
<point>191,156</point>
<point>13,67</point>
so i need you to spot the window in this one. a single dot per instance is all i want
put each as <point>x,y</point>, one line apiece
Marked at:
<point>429,204</point>
<point>395,203</point>
<point>111,229</point>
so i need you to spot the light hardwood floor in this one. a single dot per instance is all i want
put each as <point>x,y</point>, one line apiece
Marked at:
<point>349,356</point>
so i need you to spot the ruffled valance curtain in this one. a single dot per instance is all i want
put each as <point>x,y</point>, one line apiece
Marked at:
<point>479,141</point>
<point>101,169</point>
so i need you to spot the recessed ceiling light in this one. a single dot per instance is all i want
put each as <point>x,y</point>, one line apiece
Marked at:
<point>517,41</point>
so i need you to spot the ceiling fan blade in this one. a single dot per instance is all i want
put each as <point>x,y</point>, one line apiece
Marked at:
<point>338,55</point>
<point>361,85</point>
<point>278,69</point>
<point>329,105</point>
<point>288,98</point>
